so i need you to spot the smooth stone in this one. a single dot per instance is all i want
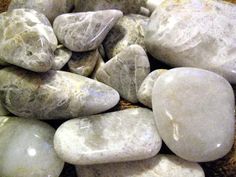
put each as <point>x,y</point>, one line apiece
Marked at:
<point>85,31</point>
<point>159,166</point>
<point>145,90</point>
<point>3,63</point>
<point>27,40</point>
<point>100,63</point>
<point>26,148</point>
<point>62,56</point>
<point>102,51</point>
<point>128,30</point>
<point>126,72</point>
<point>50,8</point>
<point>53,95</point>
<point>194,112</point>
<point>112,137</point>
<point>153,4</point>
<point>196,34</point>
<point>3,110</point>
<point>84,63</point>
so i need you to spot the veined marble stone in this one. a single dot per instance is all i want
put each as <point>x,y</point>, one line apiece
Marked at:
<point>194,112</point>
<point>112,137</point>
<point>26,149</point>
<point>126,72</point>
<point>62,56</point>
<point>53,95</point>
<point>145,90</point>
<point>128,30</point>
<point>84,63</point>
<point>85,31</point>
<point>159,166</point>
<point>27,40</point>
<point>196,34</point>
<point>50,8</point>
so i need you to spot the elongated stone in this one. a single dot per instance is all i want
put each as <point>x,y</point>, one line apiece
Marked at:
<point>53,95</point>
<point>126,72</point>
<point>196,34</point>
<point>27,40</point>
<point>194,112</point>
<point>112,137</point>
<point>62,56</point>
<point>26,148</point>
<point>85,31</point>
<point>128,30</point>
<point>159,166</point>
<point>145,90</point>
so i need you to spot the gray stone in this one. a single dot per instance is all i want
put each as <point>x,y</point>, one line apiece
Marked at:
<point>26,148</point>
<point>112,137</point>
<point>85,31</point>
<point>194,112</point>
<point>62,56</point>
<point>27,40</point>
<point>100,63</point>
<point>126,72</point>
<point>195,34</point>
<point>145,90</point>
<point>53,95</point>
<point>128,30</point>
<point>3,110</point>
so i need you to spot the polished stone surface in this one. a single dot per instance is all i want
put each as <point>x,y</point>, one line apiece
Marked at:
<point>112,137</point>
<point>27,40</point>
<point>194,112</point>
<point>53,95</point>
<point>26,149</point>
<point>85,31</point>
<point>196,34</point>
<point>126,72</point>
<point>62,56</point>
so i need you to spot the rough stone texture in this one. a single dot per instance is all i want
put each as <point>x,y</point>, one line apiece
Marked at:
<point>199,34</point>
<point>26,148</point>
<point>126,72</point>
<point>145,90</point>
<point>128,30</point>
<point>194,112</point>
<point>84,63</point>
<point>85,31</point>
<point>50,8</point>
<point>27,40</point>
<point>52,95</point>
<point>159,166</point>
<point>112,137</point>
<point>62,56</point>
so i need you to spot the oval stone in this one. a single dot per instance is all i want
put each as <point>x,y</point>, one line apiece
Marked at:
<point>194,112</point>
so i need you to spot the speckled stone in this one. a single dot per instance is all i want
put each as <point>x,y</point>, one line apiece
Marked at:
<point>50,8</point>
<point>112,137</point>
<point>85,31</point>
<point>145,90</point>
<point>126,72</point>
<point>26,148</point>
<point>128,30</point>
<point>53,95</point>
<point>27,40</point>
<point>62,56</point>
<point>84,63</point>
<point>159,166</point>
<point>194,112</point>
<point>196,34</point>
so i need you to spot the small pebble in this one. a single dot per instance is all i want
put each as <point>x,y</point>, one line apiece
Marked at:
<point>62,56</point>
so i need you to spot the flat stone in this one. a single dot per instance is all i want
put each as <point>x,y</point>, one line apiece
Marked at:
<point>112,137</point>
<point>128,30</point>
<point>194,112</point>
<point>62,56</point>
<point>195,34</point>
<point>126,72</point>
<point>53,95</point>
<point>26,148</point>
<point>159,166</point>
<point>84,63</point>
<point>27,40</point>
<point>145,90</point>
<point>85,31</point>
<point>50,8</point>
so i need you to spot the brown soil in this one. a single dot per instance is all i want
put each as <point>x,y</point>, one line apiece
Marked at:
<point>4,5</point>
